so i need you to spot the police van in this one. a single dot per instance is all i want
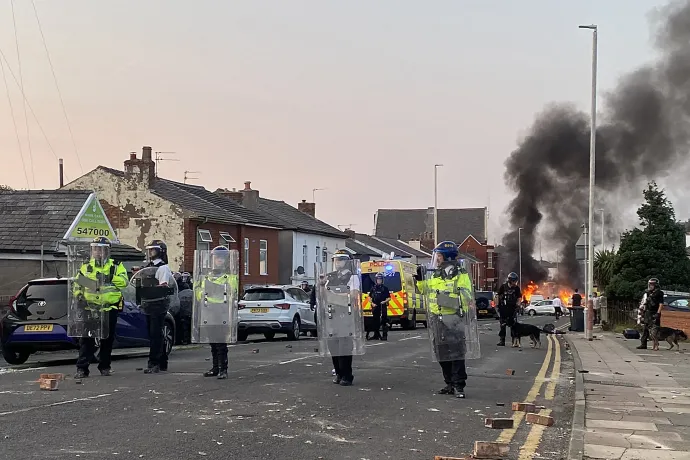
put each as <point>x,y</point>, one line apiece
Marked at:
<point>406,306</point>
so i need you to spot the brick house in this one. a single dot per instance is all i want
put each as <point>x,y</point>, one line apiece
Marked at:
<point>486,271</point>
<point>142,207</point>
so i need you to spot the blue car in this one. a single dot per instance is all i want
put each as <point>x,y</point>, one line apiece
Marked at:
<point>37,321</point>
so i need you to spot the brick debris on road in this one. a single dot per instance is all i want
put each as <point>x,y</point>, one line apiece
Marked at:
<point>280,403</point>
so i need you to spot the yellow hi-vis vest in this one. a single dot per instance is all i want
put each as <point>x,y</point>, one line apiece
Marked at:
<point>459,286</point>
<point>106,294</point>
<point>232,280</point>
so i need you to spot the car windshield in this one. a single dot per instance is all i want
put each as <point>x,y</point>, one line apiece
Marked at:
<point>391,281</point>
<point>265,294</point>
<point>51,293</point>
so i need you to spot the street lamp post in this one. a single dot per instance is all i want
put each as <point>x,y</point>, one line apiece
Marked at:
<point>592,152</point>
<point>602,229</point>
<point>436,166</point>
<point>520,256</point>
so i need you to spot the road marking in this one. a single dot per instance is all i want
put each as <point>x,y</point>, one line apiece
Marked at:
<point>375,344</point>
<point>508,433</point>
<point>529,448</point>
<point>298,359</point>
<point>410,338</point>
<point>27,409</point>
<point>9,370</point>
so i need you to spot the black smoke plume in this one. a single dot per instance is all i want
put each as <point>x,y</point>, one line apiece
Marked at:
<point>642,134</point>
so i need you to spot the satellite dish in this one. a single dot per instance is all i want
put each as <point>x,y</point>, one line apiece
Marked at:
<point>300,270</point>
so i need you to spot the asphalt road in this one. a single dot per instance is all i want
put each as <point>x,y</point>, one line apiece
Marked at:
<point>280,403</point>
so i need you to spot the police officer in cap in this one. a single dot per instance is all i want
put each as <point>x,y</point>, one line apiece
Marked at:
<point>157,309</point>
<point>507,299</point>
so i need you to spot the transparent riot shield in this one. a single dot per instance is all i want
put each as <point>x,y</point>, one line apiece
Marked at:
<point>451,312</point>
<point>152,297</point>
<point>84,288</point>
<point>216,293</point>
<point>340,321</point>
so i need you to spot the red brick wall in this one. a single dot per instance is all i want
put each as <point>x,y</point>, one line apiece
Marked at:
<point>478,250</point>
<point>255,234</point>
<point>676,320</point>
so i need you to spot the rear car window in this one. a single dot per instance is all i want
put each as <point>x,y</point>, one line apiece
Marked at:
<point>392,281</point>
<point>51,293</point>
<point>264,294</point>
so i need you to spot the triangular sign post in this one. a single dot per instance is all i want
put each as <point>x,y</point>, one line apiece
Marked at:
<point>90,223</point>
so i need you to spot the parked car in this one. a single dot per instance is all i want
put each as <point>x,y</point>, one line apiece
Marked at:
<point>485,304</point>
<point>544,307</point>
<point>273,309</point>
<point>37,321</point>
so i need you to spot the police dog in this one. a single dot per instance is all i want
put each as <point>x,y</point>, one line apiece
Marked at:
<point>519,330</point>
<point>672,336</point>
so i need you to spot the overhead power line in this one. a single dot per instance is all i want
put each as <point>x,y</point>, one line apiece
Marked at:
<point>21,82</point>
<point>14,122</point>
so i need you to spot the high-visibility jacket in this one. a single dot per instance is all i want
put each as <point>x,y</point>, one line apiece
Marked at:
<point>101,286</point>
<point>232,280</point>
<point>459,286</point>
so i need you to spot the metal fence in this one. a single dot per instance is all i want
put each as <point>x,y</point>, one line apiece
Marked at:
<point>619,313</point>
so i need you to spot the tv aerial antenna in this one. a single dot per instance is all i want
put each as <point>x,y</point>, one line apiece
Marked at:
<point>160,157</point>
<point>347,226</point>
<point>188,177</point>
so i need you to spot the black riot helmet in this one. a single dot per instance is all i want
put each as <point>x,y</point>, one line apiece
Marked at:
<point>340,259</point>
<point>220,260</point>
<point>652,283</point>
<point>157,249</point>
<point>100,250</point>
<point>512,277</point>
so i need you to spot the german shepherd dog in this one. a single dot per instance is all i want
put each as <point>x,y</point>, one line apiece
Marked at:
<point>672,336</point>
<point>519,330</point>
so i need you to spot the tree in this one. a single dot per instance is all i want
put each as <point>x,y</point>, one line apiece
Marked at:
<point>655,250</point>
<point>604,261</point>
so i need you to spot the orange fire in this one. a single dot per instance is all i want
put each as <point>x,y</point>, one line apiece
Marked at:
<point>565,296</point>
<point>531,288</point>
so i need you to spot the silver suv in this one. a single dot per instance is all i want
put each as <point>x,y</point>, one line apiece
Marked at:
<point>275,309</point>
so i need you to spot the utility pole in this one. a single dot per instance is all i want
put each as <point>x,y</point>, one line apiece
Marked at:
<point>436,166</point>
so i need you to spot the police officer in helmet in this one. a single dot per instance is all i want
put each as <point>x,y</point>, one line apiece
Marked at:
<point>507,299</point>
<point>157,256</point>
<point>651,315</point>
<point>220,275</point>
<point>99,284</point>
<point>379,295</point>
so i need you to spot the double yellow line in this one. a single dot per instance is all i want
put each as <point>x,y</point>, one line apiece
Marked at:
<point>529,448</point>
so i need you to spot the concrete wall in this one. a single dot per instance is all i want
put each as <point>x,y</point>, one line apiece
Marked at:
<point>136,214</point>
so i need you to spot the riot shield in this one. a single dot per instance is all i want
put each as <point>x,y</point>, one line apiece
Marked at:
<point>152,297</point>
<point>84,315</point>
<point>216,285</point>
<point>451,313</point>
<point>340,321</point>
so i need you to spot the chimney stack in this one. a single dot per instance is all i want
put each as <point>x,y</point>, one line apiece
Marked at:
<point>250,198</point>
<point>146,154</point>
<point>61,172</point>
<point>307,208</point>
<point>140,173</point>
<point>248,185</point>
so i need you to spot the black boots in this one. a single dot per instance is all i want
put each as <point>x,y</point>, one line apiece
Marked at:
<point>219,354</point>
<point>447,390</point>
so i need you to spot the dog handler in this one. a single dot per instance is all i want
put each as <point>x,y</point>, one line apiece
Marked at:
<point>507,299</point>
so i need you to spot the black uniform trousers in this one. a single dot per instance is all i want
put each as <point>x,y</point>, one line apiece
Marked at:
<point>158,355</point>
<point>454,373</point>
<point>343,367</point>
<point>87,346</point>
<point>650,325</point>
<point>448,343</point>
<point>219,353</point>
<point>507,318</point>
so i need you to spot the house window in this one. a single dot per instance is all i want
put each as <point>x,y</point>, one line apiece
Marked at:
<point>226,239</point>
<point>305,258</point>
<point>263,257</point>
<point>246,256</point>
<point>203,240</point>
<point>490,261</point>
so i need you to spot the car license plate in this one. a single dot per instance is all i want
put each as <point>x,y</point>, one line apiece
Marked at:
<point>368,313</point>
<point>38,328</point>
<point>483,311</point>
<point>259,310</point>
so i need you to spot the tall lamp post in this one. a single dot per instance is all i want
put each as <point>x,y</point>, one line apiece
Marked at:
<point>520,256</point>
<point>436,166</point>
<point>602,229</point>
<point>592,151</point>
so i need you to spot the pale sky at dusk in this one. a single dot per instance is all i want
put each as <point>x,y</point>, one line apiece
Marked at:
<point>351,96</point>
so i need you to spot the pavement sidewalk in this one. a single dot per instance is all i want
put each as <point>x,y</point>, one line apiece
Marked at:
<point>630,404</point>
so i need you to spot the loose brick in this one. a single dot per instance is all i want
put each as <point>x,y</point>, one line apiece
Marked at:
<point>524,407</point>
<point>256,350</point>
<point>510,371</point>
<point>494,450</point>
<point>537,419</point>
<point>498,423</point>
<point>48,384</point>
<point>58,377</point>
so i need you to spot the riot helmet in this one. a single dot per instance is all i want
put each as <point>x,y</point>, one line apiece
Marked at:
<point>340,260</point>
<point>177,276</point>
<point>512,278</point>
<point>379,278</point>
<point>220,260</point>
<point>652,283</point>
<point>100,250</point>
<point>157,249</point>
<point>186,277</point>
<point>444,252</point>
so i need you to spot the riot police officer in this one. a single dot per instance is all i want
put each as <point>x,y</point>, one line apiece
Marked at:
<point>379,295</point>
<point>99,284</point>
<point>651,316</point>
<point>221,277</point>
<point>342,278</point>
<point>157,308</point>
<point>507,299</point>
<point>447,288</point>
